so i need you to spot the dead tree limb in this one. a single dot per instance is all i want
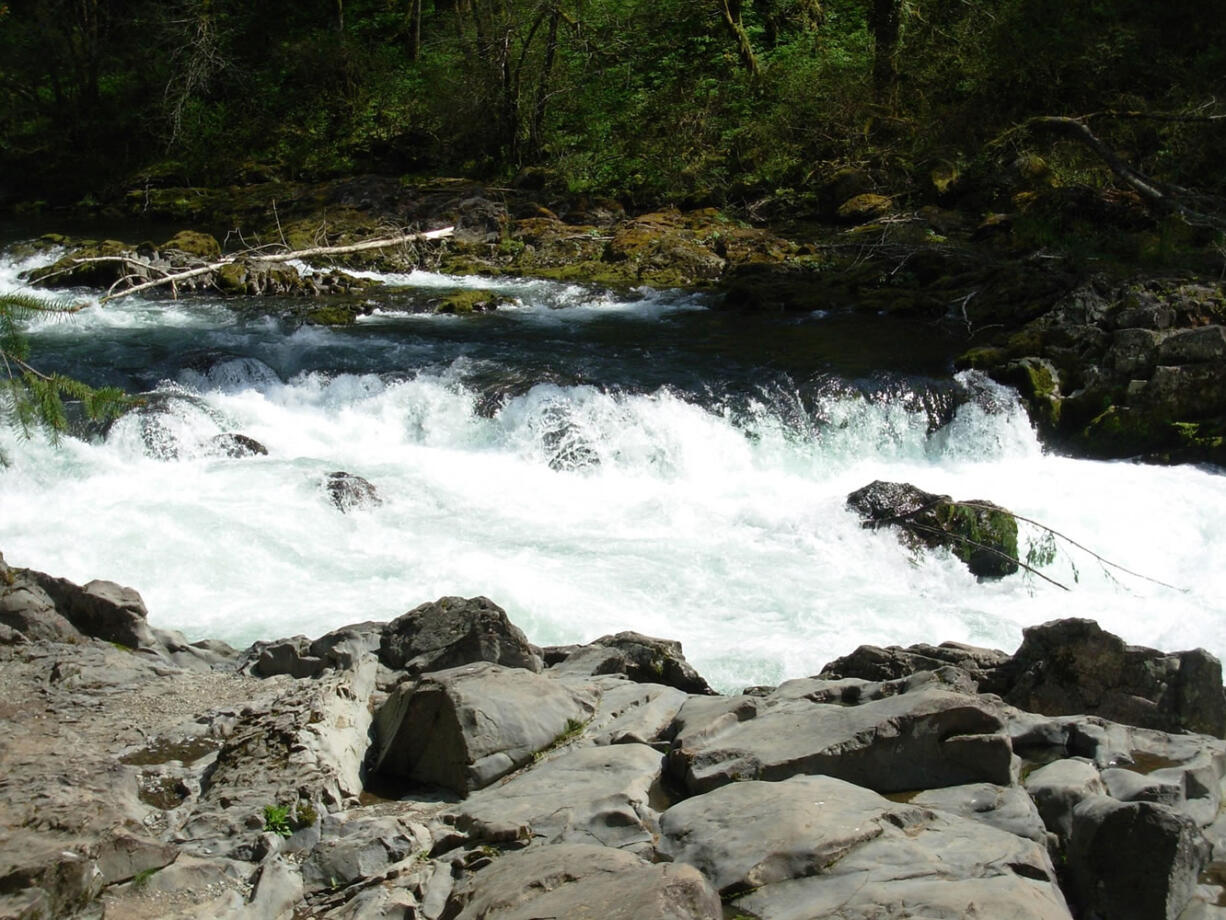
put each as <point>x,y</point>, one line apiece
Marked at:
<point>1158,196</point>
<point>288,256</point>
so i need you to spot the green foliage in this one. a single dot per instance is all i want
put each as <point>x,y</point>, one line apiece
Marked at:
<point>644,100</point>
<point>32,399</point>
<point>277,821</point>
<point>140,880</point>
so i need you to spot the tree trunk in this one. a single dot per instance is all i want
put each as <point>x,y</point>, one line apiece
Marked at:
<point>885,22</point>
<point>731,10</point>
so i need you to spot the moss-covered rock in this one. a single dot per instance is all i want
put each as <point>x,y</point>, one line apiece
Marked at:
<point>231,278</point>
<point>77,270</point>
<point>1037,381</point>
<point>863,208</point>
<point>332,315</point>
<point>191,243</point>
<point>470,301</point>
<point>980,533</point>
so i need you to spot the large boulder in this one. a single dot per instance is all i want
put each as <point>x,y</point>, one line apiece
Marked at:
<point>643,659</point>
<point>1075,667</point>
<point>871,662</point>
<point>814,846</point>
<point>34,605</point>
<point>453,631</point>
<point>1058,788</point>
<point>465,727</point>
<point>1133,860</point>
<point>980,533</point>
<point>299,656</point>
<point>917,739</point>
<point>1070,667</point>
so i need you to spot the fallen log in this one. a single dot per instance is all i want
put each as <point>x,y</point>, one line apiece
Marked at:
<point>173,278</point>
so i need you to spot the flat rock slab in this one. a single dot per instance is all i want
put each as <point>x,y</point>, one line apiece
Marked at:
<point>1006,808</point>
<point>465,727</point>
<point>579,882</point>
<point>814,846</point>
<point>924,739</point>
<point>598,795</point>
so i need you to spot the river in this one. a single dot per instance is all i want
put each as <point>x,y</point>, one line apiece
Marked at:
<point>593,462</point>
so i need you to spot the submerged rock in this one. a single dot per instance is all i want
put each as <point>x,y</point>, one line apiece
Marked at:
<point>980,533</point>
<point>233,444</point>
<point>349,492</point>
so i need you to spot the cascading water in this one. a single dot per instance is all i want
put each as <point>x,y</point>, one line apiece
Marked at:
<point>591,462</point>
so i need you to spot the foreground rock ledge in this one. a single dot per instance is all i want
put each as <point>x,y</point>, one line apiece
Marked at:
<point>441,766</point>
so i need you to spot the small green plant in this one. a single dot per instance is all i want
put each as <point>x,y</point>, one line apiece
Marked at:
<point>140,880</point>
<point>306,814</point>
<point>276,820</point>
<point>574,728</point>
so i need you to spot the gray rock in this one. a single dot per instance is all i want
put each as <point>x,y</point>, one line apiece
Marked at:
<point>576,882</point>
<point>597,795</point>
<point>1184,391</point>
<point>453,631</point>
<point>300,657</point>
<point>355,847</point>
<point>124,856</point>
<point>1134,352</point>
<point>1073,666</point>
<point>870,662</point>
<point>641,658</point>
<point>278,888</point>
<point>465,727</point>
<point>302,747</point>
<point>917,740</point>
<point>632,713</point>
<point>1006,808</point>
<point>101,609</point>
<point>812,847</point>
<point>381,903</point>
<point>1133,860</point>
<point>1058,788</point>
<point>29,611</point>
<point>1194,346</point>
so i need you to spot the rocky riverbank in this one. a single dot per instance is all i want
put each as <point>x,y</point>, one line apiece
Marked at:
<point>442,766</point>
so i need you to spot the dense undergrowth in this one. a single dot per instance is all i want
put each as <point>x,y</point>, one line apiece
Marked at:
<point>754,104</point>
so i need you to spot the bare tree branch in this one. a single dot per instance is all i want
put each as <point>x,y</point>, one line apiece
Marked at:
<point>287,256</point>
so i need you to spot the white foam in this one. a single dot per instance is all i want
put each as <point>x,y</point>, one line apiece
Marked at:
<point>581,511</point>
<point>655,515</point>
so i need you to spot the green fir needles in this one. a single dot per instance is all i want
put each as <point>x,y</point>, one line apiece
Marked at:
<point>30,398</point>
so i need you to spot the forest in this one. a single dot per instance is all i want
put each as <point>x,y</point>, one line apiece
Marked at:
<point>744,103</point>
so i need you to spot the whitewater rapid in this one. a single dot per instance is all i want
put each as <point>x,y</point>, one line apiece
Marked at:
<point>583,508</point>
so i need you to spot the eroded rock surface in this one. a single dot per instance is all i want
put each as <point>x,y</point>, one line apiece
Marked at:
<point>155,779</point>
